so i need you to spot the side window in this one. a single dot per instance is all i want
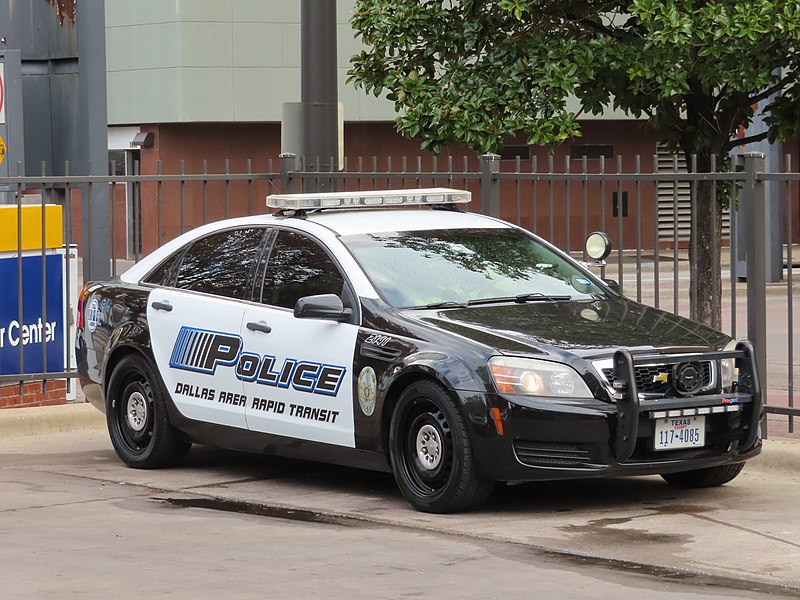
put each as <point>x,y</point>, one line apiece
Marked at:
<point>163,273</point>
<point>221,263</point>
<point>298,267</point>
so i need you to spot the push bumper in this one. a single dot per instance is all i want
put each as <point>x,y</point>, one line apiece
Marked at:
<point>549,438</point>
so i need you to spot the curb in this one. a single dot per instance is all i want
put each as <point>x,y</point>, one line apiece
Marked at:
<point>44,420</point>
<point>777,455</point>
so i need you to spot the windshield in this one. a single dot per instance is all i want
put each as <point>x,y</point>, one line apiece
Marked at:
<point>467,266</point>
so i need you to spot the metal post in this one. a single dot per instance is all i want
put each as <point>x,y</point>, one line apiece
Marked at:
<point>490,185</point>
<point>288,165</point>
<point>319,91</point>
<point>754,222</point>
<point>93,128</point>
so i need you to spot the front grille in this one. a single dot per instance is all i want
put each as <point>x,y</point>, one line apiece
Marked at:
<point>545,454</point>
<point>646,378</point>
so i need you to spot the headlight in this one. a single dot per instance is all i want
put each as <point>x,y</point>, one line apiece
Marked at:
<point>531,377</point>
<point>729,374</point>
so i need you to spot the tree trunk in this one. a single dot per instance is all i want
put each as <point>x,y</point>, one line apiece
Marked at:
<point>704,252</point>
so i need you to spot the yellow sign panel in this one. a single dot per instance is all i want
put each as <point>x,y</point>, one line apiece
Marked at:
<point>2,150</point>
<point>31,227</point>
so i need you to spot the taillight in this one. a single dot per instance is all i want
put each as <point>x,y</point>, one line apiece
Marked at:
<point>81,304</point>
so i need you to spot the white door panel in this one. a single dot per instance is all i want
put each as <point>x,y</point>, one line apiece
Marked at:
<point>196,345</point>
<point>298,375</point>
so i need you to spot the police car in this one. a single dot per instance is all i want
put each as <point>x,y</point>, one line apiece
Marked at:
<point>394,331</point>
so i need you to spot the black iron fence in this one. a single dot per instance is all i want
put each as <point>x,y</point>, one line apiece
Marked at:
<point>644,205</point>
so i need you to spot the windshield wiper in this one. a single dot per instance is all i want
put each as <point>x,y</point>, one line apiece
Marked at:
<point>445,304</point>
<point>520,299</point>
<point>539,296</point>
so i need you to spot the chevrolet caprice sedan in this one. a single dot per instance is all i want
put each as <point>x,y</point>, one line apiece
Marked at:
<point>394,331</point>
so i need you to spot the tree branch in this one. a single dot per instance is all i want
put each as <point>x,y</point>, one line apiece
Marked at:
<point>589,24</point>
<point>771,90</point>
<point>675,115</point>
<point>746,140</point>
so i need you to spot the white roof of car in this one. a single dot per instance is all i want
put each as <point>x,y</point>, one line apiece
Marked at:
<point>337,222</point>
<point>360,221</point>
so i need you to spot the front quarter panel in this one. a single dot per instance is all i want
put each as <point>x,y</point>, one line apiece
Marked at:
<point>399,351</point>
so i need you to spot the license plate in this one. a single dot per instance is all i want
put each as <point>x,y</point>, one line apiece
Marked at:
<point>680,432</point>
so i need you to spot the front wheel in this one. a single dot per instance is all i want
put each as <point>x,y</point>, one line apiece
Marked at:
<point>702,478</point>
<point>137,419</point>
<point>430,452</point>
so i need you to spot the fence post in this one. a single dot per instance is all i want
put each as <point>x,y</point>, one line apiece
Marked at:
<point>490,185</point>
<point>288,166</point>
<point>755,207</point>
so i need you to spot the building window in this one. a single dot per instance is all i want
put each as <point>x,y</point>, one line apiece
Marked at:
<point>514,152</point>
<point>615,204</point>
<point>591,151</point>
<point>117,162</point>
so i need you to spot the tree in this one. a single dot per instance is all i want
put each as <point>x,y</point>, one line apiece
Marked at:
<point>480,71</point>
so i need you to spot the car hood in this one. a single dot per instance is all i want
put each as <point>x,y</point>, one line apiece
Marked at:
<point>583,328</point>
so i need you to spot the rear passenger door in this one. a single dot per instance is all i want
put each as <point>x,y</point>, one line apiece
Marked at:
<point>298,379</point>
<point>195,322</point>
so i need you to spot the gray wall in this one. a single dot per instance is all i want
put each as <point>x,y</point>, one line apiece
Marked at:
<point>216,60</point>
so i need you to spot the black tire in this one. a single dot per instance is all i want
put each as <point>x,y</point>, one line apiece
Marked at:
<point>430,452</point>
<point>702,478</point>
<point>137,419</point>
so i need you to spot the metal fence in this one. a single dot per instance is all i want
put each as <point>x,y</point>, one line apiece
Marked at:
<point>645,208</point>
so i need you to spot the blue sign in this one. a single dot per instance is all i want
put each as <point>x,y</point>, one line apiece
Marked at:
<point>37,330</point>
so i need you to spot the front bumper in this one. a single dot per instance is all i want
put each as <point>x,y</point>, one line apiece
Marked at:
<point>548,438</point>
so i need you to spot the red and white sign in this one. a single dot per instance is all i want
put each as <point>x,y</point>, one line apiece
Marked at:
<point>2,93</point>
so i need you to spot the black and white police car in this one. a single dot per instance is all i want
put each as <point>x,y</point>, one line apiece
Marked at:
<point>454,349</point>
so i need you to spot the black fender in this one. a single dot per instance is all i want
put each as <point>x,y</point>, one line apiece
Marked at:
<point>453,373</point>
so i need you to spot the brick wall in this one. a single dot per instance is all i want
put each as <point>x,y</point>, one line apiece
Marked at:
<point>33,393</point>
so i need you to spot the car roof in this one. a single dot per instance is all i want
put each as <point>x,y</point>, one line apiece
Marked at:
<point>338,222</point>
<point>360,221</point>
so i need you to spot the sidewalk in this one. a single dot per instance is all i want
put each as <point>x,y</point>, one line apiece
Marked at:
<point>778,454</point>
<point>735,538</point>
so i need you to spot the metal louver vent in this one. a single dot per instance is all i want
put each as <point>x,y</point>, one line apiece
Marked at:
<point>675,198</point>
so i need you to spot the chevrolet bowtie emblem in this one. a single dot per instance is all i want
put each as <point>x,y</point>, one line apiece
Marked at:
<point>661,378</point>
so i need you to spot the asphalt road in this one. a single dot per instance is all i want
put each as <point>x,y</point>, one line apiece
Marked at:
<point>75,522</point>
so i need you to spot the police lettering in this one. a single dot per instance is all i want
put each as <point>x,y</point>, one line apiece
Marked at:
<point>233,399</point>
<point>201,350</point>
<point>314,414</point>
<point>268,405</point>
<point>194,391</point>
<point>301,375</point>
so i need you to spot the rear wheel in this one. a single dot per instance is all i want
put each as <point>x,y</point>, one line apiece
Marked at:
<point>430,452</point>
<point>137,418</point>
<point>701,478</point>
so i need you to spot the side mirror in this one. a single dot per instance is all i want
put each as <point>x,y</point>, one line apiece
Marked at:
<point>613,284</point>
<point>322,306</point>
<point>598,246</point>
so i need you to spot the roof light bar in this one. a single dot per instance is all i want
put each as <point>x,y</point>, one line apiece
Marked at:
<point>368,199</point>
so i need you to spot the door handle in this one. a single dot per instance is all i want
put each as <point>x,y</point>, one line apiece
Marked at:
<point>166,306</point>
<point>260,326</point>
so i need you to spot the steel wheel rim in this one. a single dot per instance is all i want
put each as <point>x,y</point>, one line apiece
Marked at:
<point>136,411</point>
<point>429,447</point>
<point>426,475</point>
<point>134,414</point>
